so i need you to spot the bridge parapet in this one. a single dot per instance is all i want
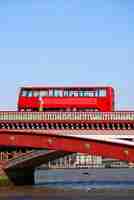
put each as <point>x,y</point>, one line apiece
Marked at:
<point>67,116</point>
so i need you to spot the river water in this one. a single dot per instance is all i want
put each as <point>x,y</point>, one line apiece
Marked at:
<point>80,184</point>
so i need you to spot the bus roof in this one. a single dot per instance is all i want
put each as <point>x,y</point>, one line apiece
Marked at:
<point>65,87</point>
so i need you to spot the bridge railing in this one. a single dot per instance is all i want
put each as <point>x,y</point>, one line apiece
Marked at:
<point>66,116</point>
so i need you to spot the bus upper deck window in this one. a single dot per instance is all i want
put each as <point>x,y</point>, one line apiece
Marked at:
<point>24,93</point>
<point>43,93</point>
<point>102,92</point>
<point>91,93</point>
<point>57,93</point>
<point>73,93</point>
<point>86,93</point>
<point>36,93</point>
<point>50,92</point>
<point>81,93</point>
<point>96,93</point>
<point>30,93</point>
<point>65,93</point>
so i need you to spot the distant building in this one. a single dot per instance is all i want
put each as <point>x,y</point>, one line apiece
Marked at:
<point>87,161</point>
<point>77,160</point>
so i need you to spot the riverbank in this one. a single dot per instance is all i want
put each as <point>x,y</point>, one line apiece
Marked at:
<point>65,194</point>
<point>4,181</point>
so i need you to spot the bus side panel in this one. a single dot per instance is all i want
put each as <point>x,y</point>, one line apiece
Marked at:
<point>100,103</point>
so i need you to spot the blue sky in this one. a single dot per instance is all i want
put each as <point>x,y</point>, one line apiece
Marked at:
<point>65,42</point>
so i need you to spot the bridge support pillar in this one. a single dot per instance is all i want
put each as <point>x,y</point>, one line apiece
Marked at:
<point>24,176</point>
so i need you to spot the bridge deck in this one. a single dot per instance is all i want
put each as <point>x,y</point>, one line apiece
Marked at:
<point>67,120</point>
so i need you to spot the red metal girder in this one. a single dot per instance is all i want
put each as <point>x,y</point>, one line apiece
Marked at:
<point>70,144</point>
<point>70,132</point>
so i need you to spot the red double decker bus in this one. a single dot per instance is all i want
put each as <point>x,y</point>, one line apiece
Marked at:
<point>66,99</point>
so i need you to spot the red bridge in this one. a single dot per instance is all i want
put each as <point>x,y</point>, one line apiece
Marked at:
<point>110,134</point>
